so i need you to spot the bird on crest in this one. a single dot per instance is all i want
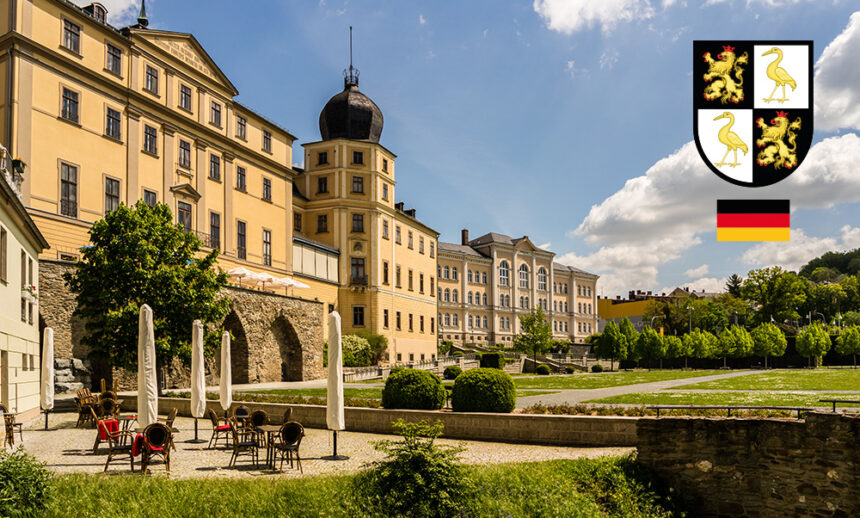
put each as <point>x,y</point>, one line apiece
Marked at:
<point>731,139</point>
<point>778,75</point>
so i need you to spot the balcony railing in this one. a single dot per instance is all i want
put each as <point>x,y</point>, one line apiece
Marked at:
<point>358,280</point>
<point>212,241</point>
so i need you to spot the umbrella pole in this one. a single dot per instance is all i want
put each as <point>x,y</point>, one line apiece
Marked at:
<point>195,440</point>
<point>334,455</point>
<point>46,420</point>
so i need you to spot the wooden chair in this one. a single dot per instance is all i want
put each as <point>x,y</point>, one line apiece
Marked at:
<point>291,435</point>
<point>171,416</point>
<point>108,394</point>
<point>221,427</point>
<point>157,438</point>
<point>243,442</point>
<point>258,419</point>
<point>108,408</point>
<point>288,413</point>
<point>15,425</point>
<point>9,430</point>
<point>120,442</point>
<point>83,404</point>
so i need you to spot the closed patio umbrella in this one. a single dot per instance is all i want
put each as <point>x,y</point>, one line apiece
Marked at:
<point>47,374</point>
<point>198,377</point>
<point>334,402</point>
<point>147,388</point>
<point>226,385</point>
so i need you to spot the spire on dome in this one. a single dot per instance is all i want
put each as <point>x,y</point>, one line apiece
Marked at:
<point>350,75</point>
<point>141,18</point>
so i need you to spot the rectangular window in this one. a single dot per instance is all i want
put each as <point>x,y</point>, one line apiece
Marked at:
<point>420,283</point>
<point>358,222</point>
<point>397,234</point>
<point>267,141</point>
<point>240,178</point>
<point>385,191</point>
<point>421,323</point>
<point>358,316</point>
<point>397,319</point>
<point>151,79</point>
<point>385,272</point>
<point>297,222</point>
<point>112,124</point>
<point>322,184</point>
<point>267,247</point>
<point>385,229</point>
<point>357,157</point>
<point>183,212</point>
<point>4,254</point>
<point>409,277</point>
<point>214,230</point>
<point>150,198</point>
<point>241,127</point>
<point>420,244</point>
<point>241,250</point>
<point>150,140</point>
<point>215,114</point>
<point>185,154</point>
<point>70,105</point>
<point>215,167</point>
<point>322,224</point>
<point>409,239</point>
<point>397,276</point>
<point>69,190</point>
<point>384,165</point>
<point>385,318</point>
<point>72,36</point>
<point>432,250</point>
<point>322,158</point>
<point>185,97</point>
<point>432,287</point>
<point>432,325</point>
<point>358,184</point>
<point>357,273</point>
<point>410,325</point>
<point>267,189</point>
<point>114,59</point>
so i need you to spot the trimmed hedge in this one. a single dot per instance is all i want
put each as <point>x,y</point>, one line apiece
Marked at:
<point>569,370</point>
<point>457,353</point>
<point>451,372</point>
<point>413,389</point>
<point>542,369</point>
<point>484,390</point>
<point>597,368</point>
<point>493,360</point>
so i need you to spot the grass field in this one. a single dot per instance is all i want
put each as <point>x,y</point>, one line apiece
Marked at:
<point>756,398</point>
<point>611,379</point>
<point>795,379</point>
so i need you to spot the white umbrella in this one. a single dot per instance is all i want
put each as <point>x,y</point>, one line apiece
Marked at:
<point>242,273</point>
<point>47,374</point>
<point>226,388</point>
<point>299,284</point>
<point>334,403</point>
<point>147,390</point>
<point>198,377</point>
<point>287,282</point>
<point>263,278</point>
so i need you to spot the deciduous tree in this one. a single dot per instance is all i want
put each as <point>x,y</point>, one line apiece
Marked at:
<point>651,345</point>
<point>701,344</point>
<point>813,342</point>
<point>734,341</point>
<point>768,340</point>
<point>849,342</point>
<point>677,348</point>
<point>535,335</point>
<point>611,343</point>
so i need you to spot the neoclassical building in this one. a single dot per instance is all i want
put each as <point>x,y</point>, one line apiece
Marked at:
<point>487,283</point>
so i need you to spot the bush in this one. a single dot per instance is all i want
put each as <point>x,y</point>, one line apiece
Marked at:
<point>597,368</point>
<point>569,370</point>
<point>451,372</point>
<point>395,369</point>
<point>378,346</point>
<point>356,351</point>
<point>457,353</point>
<point>542,369</point>
<point>484,390</point>
<point>415,389</point>
<point>493,360</point>
<point>444,347</point>
<point>25,484</point>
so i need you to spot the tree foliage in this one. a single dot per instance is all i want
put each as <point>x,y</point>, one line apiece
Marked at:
<point>612,343</point>
<point>675,347</point>
<point>701,344</point>
<point>776,292</point>
<point>734,342</point>
<point>651,345</point>
<point>768,340</point>
<point>139,256</point>
<point>813,342</point>
<point>733,285</point>
<point>849,342</point>
<point>535,335</point>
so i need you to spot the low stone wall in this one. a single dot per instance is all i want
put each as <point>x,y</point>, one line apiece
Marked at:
<point>518,428</point>
<point>758,467</point>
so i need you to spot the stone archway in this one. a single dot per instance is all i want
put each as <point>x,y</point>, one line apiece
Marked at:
<point>239,355</point>
<point>290,349</point>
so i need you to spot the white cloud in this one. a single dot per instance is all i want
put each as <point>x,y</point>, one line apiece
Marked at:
<point>837,76</point>
<point>701,271</point>
<point>797,252</point>
<point>545,246</point>
<point>568,16</point>
<point>421,19</point>
<point>709,284</point>
<point>120,12</point>
<point>574,71</point>
<point>608,59</point>
<point>485,32</point>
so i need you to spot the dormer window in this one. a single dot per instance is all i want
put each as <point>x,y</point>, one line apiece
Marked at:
<point>99,13</point>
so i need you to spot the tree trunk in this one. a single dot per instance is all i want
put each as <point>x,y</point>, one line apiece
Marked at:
<point>610,364</point>
<point>724,363</point>
<point>765,362</point>
<point>855,359</point>
<point>661,363</point>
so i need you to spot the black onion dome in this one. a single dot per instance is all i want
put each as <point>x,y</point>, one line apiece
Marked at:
<point>351,115</point>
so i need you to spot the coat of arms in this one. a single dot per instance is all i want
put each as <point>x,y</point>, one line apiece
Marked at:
<point>752,105</point>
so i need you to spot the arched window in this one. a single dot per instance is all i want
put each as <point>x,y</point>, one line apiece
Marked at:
<point>446,273</point>
<point>470,297</point>
<point>440,319</point>
<point>524,276</point>
<point>454,320</point>
<point>485,300</point>
<point>447,294</point>
<point>504,274</point>
<point>522,302</point>
<point>454,295</point>
<point>469,275</point>
<point>541,278</point>
<point>447,319</point>
<point>508,300</point>
<point>454,273</point>
<point>485,322</point>
<point>527,303</point>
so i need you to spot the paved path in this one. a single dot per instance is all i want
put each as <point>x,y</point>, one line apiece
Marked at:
<point>573,396</point>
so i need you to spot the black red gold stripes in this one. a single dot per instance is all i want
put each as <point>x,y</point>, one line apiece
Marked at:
<point>753,220</point>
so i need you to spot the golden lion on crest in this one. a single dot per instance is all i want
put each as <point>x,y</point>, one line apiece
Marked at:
<point>724,86</point>
<point>775,150</point>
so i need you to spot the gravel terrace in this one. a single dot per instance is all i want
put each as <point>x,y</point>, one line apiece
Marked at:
<point>67,449</point>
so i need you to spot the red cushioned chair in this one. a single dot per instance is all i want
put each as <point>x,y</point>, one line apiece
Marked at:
<point>156,443</point>
<point>221,428</point>
<point>105,426</point>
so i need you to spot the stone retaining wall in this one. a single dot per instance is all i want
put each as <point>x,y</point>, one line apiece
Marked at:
<point>758,467</point>
<point>518,428</point>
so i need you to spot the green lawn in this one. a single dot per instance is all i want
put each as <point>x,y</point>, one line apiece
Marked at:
<point>795,379</point>
<point>756,398</point>
<point>578,488</point>
<point>601,380</point>
<point>368,393</point>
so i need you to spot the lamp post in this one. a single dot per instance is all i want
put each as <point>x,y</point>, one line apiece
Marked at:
<point>690,308</point>
<point>736,317</point>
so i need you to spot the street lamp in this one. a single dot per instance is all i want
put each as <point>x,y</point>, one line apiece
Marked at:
<point>691,318</point>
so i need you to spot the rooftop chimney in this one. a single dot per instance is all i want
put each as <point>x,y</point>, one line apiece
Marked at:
<point>410,213</point>
<point>464,237</point>
<point>399,205</point>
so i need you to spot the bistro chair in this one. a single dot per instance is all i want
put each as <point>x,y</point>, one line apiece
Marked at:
<point>120,442</point>
<point>288,413</point>
<point>243,442</point>
<point>109,408</point>
<point>157,438</point>
<point>105,425</point>
<point>108,394</point>
<point>9,430</point>
<point>221,428</point>
<point>171,416</point>
<point>291,438</point>
<point>15,425</point>
<point>258,419</point>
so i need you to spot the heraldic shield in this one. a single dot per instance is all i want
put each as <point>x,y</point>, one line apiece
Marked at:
<point>752,104</point>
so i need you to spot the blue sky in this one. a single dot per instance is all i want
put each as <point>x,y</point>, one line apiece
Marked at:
<point>568,121</point>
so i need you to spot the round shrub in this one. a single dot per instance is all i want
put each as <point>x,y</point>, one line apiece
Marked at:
<point>569,369</point>
<point>395,369</point>
<point>451,372</point>
<point>25,484</point>
<point>457,353</point>
<point>413,388</point>
<point>597,368</point>
<point>542,369</point>
<point>484,390</point>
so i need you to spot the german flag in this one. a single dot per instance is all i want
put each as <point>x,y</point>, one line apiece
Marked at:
<point>753,220</point>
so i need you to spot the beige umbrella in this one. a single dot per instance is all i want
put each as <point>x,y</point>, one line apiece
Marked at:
<point>47,374</point>
<point>334,399</point>
<point>241,273</point>
<point>226,386</point>
<point>147,389</point>
<point>198,377</point>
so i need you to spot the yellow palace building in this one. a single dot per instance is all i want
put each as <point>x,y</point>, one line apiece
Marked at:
<point>103,116</point>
